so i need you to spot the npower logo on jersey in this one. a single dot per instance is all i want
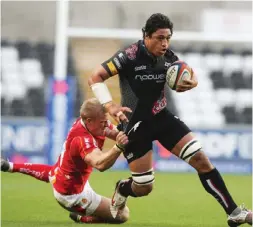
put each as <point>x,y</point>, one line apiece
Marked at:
<point>150,77</point>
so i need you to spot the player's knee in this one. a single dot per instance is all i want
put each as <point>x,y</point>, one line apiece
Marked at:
<point>201,162</point>
<point>143,182</point>
<point>123,215</point>
<point>143,190</point>
<point>190,150</point>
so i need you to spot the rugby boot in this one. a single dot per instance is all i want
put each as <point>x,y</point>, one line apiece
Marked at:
<point>245,216</point>
<point>5,165</point>
<point>118,201</point>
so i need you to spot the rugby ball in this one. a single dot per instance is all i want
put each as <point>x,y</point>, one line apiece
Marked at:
<point>177,72</point>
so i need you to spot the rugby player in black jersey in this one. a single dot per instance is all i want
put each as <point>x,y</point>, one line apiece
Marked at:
<point>141,68</point>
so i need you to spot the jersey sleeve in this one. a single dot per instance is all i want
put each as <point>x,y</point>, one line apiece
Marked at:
<point>83,145</point>
<point>121,60</point>
<point>117,63</point>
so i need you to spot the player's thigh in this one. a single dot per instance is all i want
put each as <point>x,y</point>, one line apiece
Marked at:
<point>178,138</point>
<point>103,212</point>
<point>92,198</point>
<point>137,149</point>
<point>142,164</point>
<point>139,155</point>
<point>173,133</point>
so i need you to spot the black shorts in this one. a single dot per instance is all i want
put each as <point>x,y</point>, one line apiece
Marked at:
<point>164,127</point>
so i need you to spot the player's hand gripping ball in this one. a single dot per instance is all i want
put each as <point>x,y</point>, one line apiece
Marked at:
<point>177,73</point>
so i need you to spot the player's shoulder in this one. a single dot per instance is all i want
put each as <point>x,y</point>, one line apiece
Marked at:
<point>170,55</point>
<point>83,139</point>
<point>131,51</point>
<point>77,125</point>
<point>78,129</point>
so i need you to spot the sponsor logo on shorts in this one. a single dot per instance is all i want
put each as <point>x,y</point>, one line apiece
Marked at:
<point>112,68</point>
<point>117,63</point>
<point>84,200</point>
<point>134,128</point>
<point>130,155</point>
<point>159,105</point>
<point>138,68</point>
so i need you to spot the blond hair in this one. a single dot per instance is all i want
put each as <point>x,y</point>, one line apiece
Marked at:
<point>91,108</point>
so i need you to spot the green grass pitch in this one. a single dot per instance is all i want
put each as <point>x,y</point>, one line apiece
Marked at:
<point>178,200</point>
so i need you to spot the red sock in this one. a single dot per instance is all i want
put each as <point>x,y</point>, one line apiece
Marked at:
<point>90,220</point>
<point>37,171</point>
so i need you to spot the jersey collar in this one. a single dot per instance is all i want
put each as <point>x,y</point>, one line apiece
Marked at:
<point>83,124</point>
<point>147,53</point>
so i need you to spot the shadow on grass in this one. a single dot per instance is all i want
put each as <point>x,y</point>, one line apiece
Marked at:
<point>37,224</point>
<point>167,224</point>
<point>71,224</point>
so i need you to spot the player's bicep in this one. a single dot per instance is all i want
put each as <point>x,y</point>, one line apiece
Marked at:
<point>116,63</point>
<point>93,157</point>
<point>99,75</point>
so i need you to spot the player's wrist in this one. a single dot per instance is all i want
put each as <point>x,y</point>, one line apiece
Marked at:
<point>101,92</point>
<point>119,148</point>
<point>108,105</point>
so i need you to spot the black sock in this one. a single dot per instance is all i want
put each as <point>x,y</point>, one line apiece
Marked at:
<point>125,188</point>
<point>214,184</point>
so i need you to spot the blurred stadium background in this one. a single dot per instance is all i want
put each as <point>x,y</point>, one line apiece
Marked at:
<point>39,100</point>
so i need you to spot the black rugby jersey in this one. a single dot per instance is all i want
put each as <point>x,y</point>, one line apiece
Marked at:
<point>142,79</point>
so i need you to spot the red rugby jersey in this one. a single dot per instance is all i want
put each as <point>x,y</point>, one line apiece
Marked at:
<point>71,171</point>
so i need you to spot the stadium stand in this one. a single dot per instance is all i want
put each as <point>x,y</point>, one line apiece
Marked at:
<point>25,70</point>
<point>225,86</point>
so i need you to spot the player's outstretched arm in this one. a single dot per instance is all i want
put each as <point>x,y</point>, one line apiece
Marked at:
<point>104,160</point>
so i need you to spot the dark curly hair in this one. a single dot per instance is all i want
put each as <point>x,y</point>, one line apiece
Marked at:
<point>156,21</point>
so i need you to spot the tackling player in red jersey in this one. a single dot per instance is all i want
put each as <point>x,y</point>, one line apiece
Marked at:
<point>82,151</point>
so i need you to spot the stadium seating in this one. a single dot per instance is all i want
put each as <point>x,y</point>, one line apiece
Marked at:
<point>224,92</point>
<point>25,69</point>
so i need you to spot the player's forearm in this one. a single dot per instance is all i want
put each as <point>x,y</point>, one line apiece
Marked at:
<point>98,87</point>
<point>111,134</point>
<point>108,159</point>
